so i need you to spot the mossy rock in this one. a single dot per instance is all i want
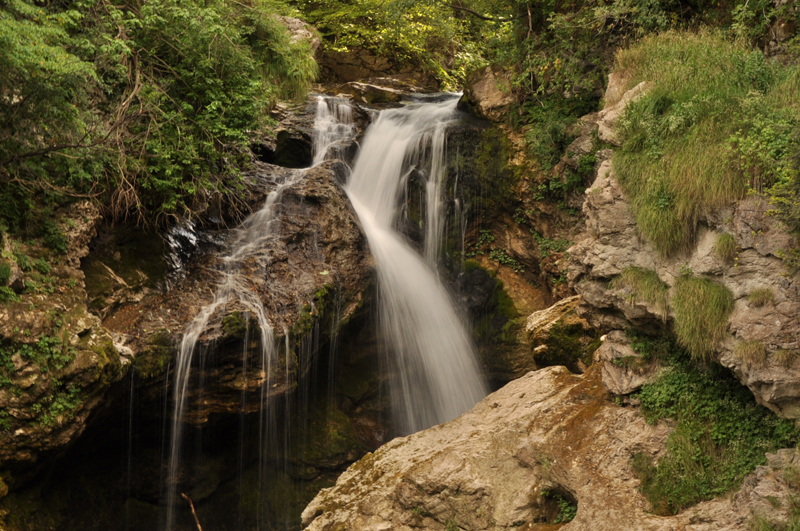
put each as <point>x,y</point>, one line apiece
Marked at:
<point>235,326</point>
<point>567,344</point>
<point>154,360</point>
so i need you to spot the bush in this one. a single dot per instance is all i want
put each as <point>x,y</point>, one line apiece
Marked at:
<point>701,308</point>
<point>144,106</point>
<point>721,434</point>
<point>5,272</point>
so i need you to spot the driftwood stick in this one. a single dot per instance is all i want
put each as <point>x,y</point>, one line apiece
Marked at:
<point>187,498</point>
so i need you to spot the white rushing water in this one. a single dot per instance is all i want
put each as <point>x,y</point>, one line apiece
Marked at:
<point>431,353</point>
<point>437,375</point>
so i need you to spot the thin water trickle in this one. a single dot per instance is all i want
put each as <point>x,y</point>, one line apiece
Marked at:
<point>434,360</point>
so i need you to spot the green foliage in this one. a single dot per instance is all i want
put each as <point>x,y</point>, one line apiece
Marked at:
<point>701,308</point>
<point>48,353</point>
<point>646,285</point>
<point>501,257</point>
<point>712,125</point>
<point>58,407</point>
<point>145,106</point>
<point>567,509</point>
<point>423,34</point>
<point>721,434</point>
<point>5,272</point>
<point>547,246</point>
<point>761,297</point>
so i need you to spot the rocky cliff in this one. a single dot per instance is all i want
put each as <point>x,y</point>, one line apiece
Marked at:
<point>737,247</point>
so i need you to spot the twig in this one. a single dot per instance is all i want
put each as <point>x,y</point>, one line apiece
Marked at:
<point>187,498</point>
<point>482,17</point>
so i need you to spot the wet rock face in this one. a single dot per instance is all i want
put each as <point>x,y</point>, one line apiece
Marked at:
<point>767,301</point>
<point>548,431</point>
<point>314,270</point>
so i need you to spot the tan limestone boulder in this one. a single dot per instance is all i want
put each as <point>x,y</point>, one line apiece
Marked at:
<point>549,430</point>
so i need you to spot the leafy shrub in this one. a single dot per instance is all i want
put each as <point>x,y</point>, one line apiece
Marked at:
<point>701,308</point>
<point>721,434</point>
<point>761,297</point>
<point>145,106</point>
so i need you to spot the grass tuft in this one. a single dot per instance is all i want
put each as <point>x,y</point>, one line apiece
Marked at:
<point>725,247</point>
<point>646,286</point>
<point>785,357</point>
<point>751,353</point>
<point>701,308</point>
<point>761,297</point>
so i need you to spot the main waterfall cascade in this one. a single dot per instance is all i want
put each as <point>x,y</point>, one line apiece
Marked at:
<point>435,375</point>
<point>434,361</point>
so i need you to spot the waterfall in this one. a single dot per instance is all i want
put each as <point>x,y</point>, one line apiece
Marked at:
<point>437,375</point>
<point>333,126</point>
<point>429,348</point>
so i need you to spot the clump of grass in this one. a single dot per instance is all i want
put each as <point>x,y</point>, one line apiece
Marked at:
<point>785,357</point>
<point>646,286</point>
<point>725,247</point>
<point>688,143</point>
<point>701,308</point>
<point>721,434</point>
<point>751,353</point>
<point>761,297</point>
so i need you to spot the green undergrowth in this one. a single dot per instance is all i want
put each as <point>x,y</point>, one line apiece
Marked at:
<point>49,353</point>
<point>701,308</point>
<point>721,434</point>
<point>716,122</point>
<point>645,286</point>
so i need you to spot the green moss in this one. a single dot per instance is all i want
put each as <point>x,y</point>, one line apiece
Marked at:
<point>566,345</point>
<point>154,360</point>
<point>234,325</point>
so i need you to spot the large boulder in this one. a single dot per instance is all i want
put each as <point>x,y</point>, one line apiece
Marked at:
<point>548,432</point>
<point>488,92</point>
